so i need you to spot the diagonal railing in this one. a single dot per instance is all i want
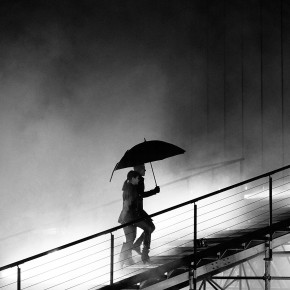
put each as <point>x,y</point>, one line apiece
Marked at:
<point>93,262</point>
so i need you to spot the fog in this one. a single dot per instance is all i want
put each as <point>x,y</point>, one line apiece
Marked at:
<point>77,91</point>
<point>82,82</point>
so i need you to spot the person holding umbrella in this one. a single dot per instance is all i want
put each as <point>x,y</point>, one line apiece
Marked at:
<point>136,157</point>
<point>133,193</point>
<point>129,212</point>
<point>147,224</point>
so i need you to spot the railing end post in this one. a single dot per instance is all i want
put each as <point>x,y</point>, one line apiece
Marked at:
<point>18,278</point>
<point>112,260</point>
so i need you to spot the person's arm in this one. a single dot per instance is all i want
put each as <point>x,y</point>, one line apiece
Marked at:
<point>150,192</point>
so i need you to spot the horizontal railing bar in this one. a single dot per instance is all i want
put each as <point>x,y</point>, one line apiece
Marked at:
<point>138,220</point>
<point>241,183</point>
<point>251,277</point>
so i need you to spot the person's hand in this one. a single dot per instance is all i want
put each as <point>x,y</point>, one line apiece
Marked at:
<point>157,189</point>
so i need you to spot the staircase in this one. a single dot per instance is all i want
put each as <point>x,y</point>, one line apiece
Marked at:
<point>198,244</point>
<point>217,256</point>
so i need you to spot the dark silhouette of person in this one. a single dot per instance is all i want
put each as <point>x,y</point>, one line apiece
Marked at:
<point>147,224</point>
<point>129,212</point>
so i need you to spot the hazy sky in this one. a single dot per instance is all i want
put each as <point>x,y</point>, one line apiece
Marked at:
<point>83,81</point>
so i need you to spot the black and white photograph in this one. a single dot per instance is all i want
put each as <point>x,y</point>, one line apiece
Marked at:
<point>145,144</point>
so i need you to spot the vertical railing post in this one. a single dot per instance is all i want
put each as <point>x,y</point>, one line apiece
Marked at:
<point>112,261</point>
<point>18,278</point>
<point>270,204</point>
<point>240,274</point>
<point>195,247</point>
<point>192,272</point>
<point>268,252</point>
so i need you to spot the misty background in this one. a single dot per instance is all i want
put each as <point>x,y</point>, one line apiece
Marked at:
<point>83,81</point>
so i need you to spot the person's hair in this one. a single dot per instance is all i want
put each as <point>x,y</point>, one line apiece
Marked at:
<point>132,174</point>
<point>139,166</point>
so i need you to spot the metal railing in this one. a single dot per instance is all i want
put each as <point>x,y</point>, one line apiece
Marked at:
<point>93,262</point>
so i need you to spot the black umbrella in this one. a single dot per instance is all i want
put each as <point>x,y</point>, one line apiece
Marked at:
<point>147,151</point>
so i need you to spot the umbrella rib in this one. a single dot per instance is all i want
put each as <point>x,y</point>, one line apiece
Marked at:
<point>147,152</point>
<point>114,170</point>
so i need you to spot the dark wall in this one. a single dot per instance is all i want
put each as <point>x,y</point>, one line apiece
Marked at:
<point>244,74</point>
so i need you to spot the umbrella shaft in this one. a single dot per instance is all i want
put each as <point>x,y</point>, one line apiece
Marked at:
<point>153,173</point>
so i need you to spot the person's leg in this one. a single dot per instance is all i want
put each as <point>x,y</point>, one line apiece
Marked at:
<point>138,242</point>
<point>126,250</point>
<point>152,226</point>
<point>147,227</point>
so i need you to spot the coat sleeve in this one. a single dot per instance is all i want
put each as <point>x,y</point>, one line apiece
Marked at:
<point>148,193</point>
<point>142,192</point>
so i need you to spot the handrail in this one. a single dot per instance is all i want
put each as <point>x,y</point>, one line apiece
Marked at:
<point>14,264</point>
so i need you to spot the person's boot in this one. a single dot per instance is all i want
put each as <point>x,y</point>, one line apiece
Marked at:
<point>137,244</point>
<point>145,257</point>
<point>122,256</point>
<point>129,260</point>
<point>125,258</point>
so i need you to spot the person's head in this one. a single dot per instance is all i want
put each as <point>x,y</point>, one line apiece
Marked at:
<point>133,177</point>
<point>140,169</point>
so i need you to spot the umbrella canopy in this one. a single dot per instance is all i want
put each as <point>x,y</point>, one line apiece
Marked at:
<point>147,151</point>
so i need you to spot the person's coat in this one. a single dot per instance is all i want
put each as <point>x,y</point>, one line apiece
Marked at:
<point>142,194</point>
<point>130,209</point>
